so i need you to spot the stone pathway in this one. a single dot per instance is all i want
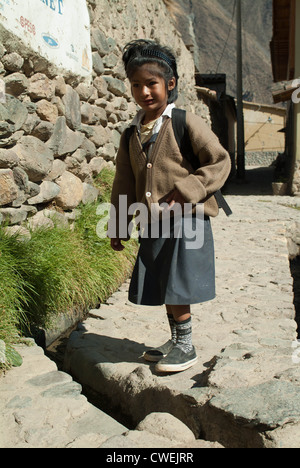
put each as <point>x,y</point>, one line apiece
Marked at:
<point>243,392</point>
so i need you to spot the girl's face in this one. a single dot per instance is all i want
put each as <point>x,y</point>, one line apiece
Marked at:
<point>149,91</point>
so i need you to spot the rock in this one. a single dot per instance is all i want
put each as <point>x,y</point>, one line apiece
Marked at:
<point>66,390</point>
<point>60,86</point>
<point>200,444</point>
<point>16,84</point>
<point>276,403</point>
<point>71,191</point>
<point>4,112</point>
<point>39,220</point>
<point>35,157</point>
<point>99,116</point>
<point>93,115</point>
<point>115,86</point>
<point>99,42</point>
<point>96,165</point>
<point>108,152</point>
<point>50,378</point>
<point>5,129</point>
<point>72,164</point>
<point>98,63</point>
<point>8,159</point>
<point>63,139</point>
<point>101,86</point>
<point>2,50</point>
<point>71,102</point>
<point>20,231</point>
<point>2,352</point>
<point>57,102</point>
<point>12,140</point>
<point>113,119</point>
<point>20,200</point>
<point>115,138</point>
<point>13,215</point>
<point>167,425</point>
<point>85,91</point>
<point>14,112</point>
<point>137,439</point>
<point>21,179</point>
<point>31,122</point>
<point>43,131</point>
<point>90,194</point>
<point>30,210</point>
<point>47,111</point>
<point>286,437</point>
<point>58,168</point>
<point>89,148</point>
<point>87,113</point>
<point>110,60</point>
<point>48,191</point>
<point>84,173</point>
<point>8,188</point>
<point>59,219</point>
<point>100,136</point>
<point>33,189</point>
<point>41,87</point>
<point>13,62</point>
<point>30,106</point>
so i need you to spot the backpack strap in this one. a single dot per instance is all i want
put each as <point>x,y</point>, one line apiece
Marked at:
<point>128,132</point>
<point>182,137</point>
<point>183,140</point>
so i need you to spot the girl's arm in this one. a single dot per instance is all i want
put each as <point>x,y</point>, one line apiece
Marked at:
<point>124,185</point>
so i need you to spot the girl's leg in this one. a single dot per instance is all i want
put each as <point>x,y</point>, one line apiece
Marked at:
<point>180,322</point>
<point>154,355</point>
<point>172,323</point>
<point>183,355</point>
<point>183,319</point>
<point>180,313</point>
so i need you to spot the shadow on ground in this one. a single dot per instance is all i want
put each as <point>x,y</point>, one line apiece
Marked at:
<point>258,181</point>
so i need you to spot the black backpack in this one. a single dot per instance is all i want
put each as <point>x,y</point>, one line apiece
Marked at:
<point>183,140</point>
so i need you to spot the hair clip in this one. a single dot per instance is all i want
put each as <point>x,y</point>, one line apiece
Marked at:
<point>157,54</point>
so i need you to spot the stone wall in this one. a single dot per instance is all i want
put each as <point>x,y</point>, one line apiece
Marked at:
<point>57,133</point>
<point>296,180</point>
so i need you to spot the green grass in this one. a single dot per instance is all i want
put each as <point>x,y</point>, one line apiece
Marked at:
<point>294,207</point>
<point>14,290</point>
<point>59,269</point>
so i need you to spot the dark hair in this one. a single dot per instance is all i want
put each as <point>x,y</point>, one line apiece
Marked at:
<point>139,52</point>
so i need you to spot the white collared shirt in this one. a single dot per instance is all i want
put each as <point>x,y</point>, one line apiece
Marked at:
<point>137,121</point>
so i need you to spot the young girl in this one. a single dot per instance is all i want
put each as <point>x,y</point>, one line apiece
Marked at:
<point>150,170</point>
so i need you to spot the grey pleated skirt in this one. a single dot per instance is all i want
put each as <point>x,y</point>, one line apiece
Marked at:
<point>175,265</point>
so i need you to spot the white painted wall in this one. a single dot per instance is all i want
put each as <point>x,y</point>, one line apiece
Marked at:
<point>58,30</point>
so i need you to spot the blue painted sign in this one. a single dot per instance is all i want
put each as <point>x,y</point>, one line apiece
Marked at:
<point>50,41</point>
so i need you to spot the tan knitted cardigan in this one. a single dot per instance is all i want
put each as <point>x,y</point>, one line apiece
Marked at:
<point>151,181</point>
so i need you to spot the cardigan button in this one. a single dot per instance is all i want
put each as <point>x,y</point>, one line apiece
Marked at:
<point>149,166</point>
<point>148,194</point>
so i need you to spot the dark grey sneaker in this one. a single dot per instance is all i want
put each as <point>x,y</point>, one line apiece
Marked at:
<point>177,361</point>
<point>155,355</point>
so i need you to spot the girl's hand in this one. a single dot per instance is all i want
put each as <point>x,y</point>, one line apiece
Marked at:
<point>116,245</point>
<point>175,197</point>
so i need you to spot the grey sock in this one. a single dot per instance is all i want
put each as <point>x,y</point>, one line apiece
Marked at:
<point>184,335</point>
<point>173,327</point>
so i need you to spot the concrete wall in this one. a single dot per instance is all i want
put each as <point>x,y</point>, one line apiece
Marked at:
<point>262,124</point>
